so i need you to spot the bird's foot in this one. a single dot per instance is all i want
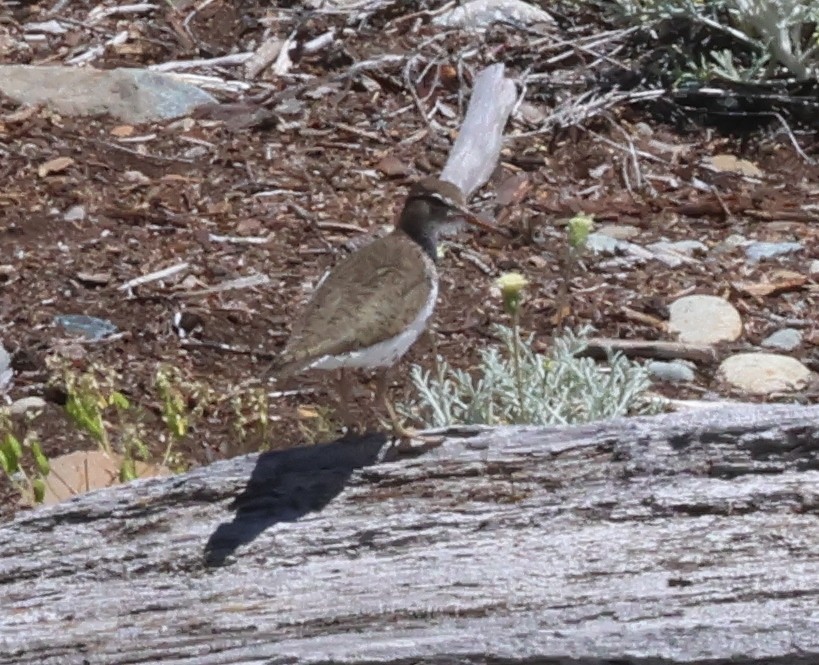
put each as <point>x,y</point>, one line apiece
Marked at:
<point>407,441</point>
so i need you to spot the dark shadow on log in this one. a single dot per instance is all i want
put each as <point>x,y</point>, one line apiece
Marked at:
<point>285,485</point>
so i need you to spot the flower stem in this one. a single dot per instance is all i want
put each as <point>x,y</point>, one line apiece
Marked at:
<point>516,362</point>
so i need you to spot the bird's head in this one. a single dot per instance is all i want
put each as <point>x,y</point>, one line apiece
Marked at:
<point>433,204</point>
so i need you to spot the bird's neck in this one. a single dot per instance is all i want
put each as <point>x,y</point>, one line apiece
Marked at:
<point>416,222</point>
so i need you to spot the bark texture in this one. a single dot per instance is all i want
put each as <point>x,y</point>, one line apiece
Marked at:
<point>670,539</point>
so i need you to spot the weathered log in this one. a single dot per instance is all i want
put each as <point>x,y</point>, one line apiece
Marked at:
<point>672,539</point>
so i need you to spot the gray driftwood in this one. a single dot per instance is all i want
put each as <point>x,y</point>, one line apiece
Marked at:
<point>671,539</point>
<point>475,153</point>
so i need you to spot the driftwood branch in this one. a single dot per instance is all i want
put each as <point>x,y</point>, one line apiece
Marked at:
<point>599,347</point>
<point>475,153</point>
<point>675,539</point>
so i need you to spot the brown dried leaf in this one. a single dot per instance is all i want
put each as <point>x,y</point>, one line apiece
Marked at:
<point>513,189</point>
<point>56,165</point>
<point>86,470</point>
<point>734,164</point>
<point>307,413</point>
<point>122,131</point>
<point>94,278</point>
<point>392,167</point>
<point>780,282</point>
<point>249,227</point>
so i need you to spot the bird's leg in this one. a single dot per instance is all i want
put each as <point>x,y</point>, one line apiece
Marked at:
<point>431,334</point>
<point>344,400</point>
<point>405,435</point>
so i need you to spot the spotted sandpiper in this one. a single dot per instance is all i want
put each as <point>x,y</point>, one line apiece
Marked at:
<point>372,307</point>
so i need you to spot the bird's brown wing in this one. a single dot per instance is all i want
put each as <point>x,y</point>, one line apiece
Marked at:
<point>370,296</point>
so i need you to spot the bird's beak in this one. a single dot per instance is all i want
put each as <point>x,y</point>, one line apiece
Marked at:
<point>464,214</point>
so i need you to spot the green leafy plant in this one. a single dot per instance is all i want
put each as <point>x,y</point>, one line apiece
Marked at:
<point>251,411</point>
<point>555,389</point>
<point>13,452</point>
<point>517,385</point>
<point>173,397</point>
<point>767,36</point>
<point>97,408</point>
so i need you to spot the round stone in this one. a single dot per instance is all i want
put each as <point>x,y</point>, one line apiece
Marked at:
<point>786,339</point>
<point>764,373</point>
<point>704,320</point>
<point>670,372</point>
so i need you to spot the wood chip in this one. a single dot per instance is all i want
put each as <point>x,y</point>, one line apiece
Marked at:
<point>94,278</point>
<point>781,284</point>
<point>392,167</point>
<point>122,131</point>
<point>56,165</point>
<point>734,165</point>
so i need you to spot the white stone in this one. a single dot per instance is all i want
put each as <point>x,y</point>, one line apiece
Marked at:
<point>24,404</point>
<point>619,231</point>
<point>704,320</point>
<point>479,14</point>
<point>764,373</point>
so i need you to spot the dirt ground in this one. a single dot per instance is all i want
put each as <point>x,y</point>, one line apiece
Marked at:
<point>313,171</point>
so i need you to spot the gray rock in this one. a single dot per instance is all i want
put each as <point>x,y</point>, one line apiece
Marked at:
<point>602,244</point>
<point>786,339</point>
<point>619,231</point>
<point>49,27</point>
<point>675,254</point>
<point>6,373</point>
<point>89,327</point>
<point>684,247</point>
<point>730,243</point>
<point>74,214</point>
<point>758,251</point>
<point>26,404</point>
<point>704,320</point>
<point>813,270</point>
<point>130,95</point>
<point>670,372</point>
<point>764,373</point>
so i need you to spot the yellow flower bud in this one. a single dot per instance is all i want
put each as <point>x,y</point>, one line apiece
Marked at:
<point>511,285</point>
<point>579,228</point>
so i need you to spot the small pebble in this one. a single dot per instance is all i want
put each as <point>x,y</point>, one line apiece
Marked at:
<point>670,372</point>
<point>89,327</point>
<point>6,373</point>
<point>758,251</point>
<point>786,339</point>
<point>685,247</point>
<point>25,404</point>
<point>602,244</point>
<point>730,243</point>
<point>74,214</point>
<point>619,231</point>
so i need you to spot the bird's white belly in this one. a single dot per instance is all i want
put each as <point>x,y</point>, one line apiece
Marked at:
<point>388,352</point>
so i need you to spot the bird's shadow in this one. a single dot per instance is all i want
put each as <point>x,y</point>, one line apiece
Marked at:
<point>287,484</point>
